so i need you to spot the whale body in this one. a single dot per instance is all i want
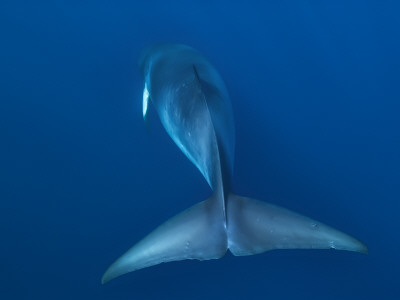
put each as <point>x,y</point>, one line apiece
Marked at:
<point>193,105</point>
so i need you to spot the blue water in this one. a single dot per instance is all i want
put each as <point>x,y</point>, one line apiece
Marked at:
<point>315,90</point>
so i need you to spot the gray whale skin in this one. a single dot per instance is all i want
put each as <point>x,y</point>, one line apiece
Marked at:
<point>194,107</point>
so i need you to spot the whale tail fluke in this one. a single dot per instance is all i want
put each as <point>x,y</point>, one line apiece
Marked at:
<point>199,233</point>
<point>250,227</point>
<point>255,227</point>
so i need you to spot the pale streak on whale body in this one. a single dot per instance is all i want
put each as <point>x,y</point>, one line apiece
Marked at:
<point>194,107</point>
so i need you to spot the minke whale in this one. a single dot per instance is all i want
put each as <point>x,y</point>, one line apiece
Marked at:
<point>193,105</point>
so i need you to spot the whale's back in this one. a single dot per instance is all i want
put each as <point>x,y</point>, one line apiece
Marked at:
<point>194,107</point>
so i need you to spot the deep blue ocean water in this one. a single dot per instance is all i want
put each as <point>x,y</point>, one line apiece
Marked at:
<point>315,90</point>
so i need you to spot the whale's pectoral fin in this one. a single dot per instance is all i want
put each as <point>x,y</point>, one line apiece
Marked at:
<point>196,233</point>
<point>146,98</point>
<point>255,227</point>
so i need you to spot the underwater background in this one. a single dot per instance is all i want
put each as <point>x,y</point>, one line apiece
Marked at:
<point>315,89</point>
